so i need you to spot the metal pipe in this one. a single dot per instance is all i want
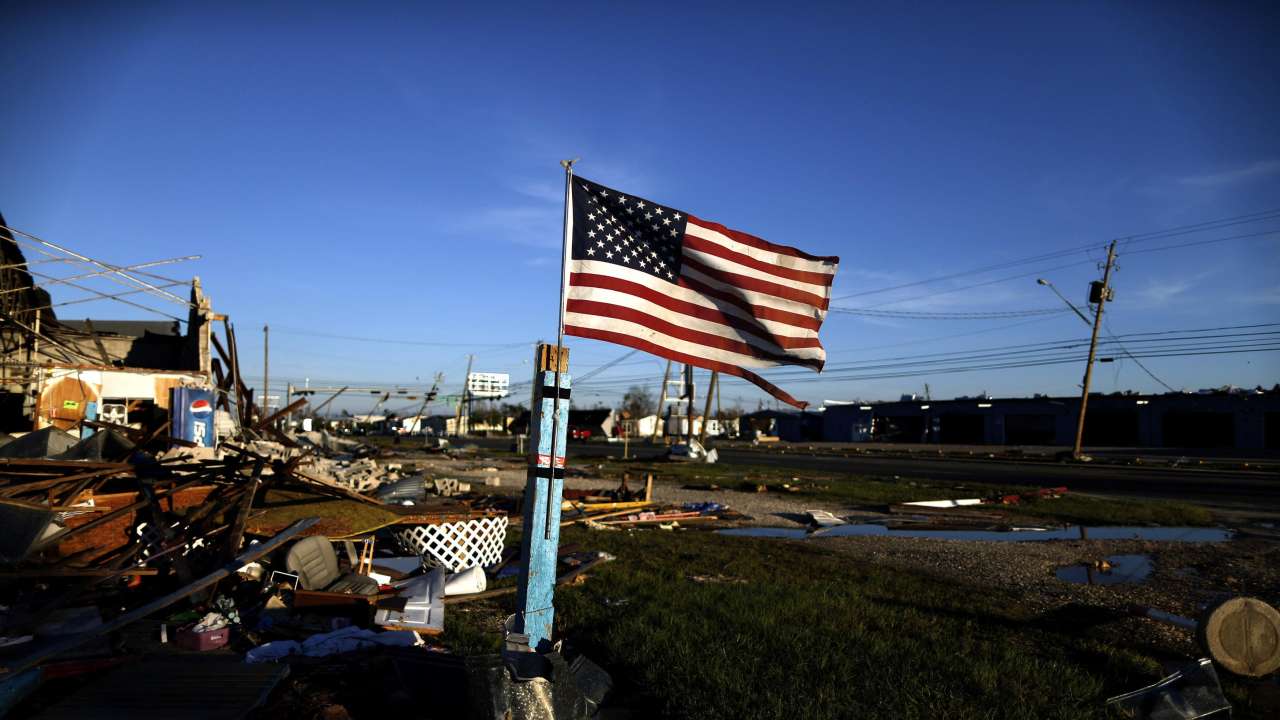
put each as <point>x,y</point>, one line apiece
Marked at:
<point>565,250</point>
<point>113,269</point>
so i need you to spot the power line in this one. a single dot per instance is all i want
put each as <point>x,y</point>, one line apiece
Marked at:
<point>1202,242</point>
<point>395,341</point>
<point>949,336</point>
<point>985,283</point>
<point>919,315</point>
<point>1068,265</point>
<point>1272,346</point>
<point>602,368</point>
<point>1128,354</point>
<point>974,271</point>
<point>1201,227</point>
<point>1028,364</point>
<point>1183,339</point>
<point>1131,239</point>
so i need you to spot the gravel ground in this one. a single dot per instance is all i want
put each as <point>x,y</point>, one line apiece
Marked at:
<point>774,509</point>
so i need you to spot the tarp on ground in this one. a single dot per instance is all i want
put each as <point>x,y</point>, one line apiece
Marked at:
<point>105,445</point>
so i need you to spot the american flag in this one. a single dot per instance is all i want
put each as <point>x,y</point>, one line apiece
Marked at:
<point>658,279</point>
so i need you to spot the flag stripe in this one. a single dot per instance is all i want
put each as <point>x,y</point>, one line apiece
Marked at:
<point>666,352</point>
<point>755,284</point>
<point>702,294</point>
<point>645,332</point>
<point>786,261</point>
<point>713,289</point>
<point>799,347</point>
<point>719,264</point>
<point>583,286</point>
<point>685,333</point>
<point>694,242</point>
<point>759,244</point>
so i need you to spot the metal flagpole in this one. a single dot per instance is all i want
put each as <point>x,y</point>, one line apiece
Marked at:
<point>535,586</point>
<point>557,452</point>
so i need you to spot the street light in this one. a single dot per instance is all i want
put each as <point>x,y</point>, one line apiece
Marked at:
<point>1051,286</point>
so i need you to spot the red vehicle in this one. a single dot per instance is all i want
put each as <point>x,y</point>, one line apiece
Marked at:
<point>581,434</point>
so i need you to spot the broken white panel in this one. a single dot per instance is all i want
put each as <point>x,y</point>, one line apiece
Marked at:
<point>467,582</point>
<point>425,608</point>
<point>946,503</point>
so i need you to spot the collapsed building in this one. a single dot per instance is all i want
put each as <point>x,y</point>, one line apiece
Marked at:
<point>57,372</point>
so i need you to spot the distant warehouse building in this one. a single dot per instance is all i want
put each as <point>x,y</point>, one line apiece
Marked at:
<point>1189,420</point>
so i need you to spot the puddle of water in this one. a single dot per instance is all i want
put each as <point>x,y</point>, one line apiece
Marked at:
<point>1158,534</point>
<point>1124,569</point>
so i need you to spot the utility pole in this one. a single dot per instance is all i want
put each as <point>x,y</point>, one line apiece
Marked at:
<point>719,412</point>
<point>688,389</point>
<point>463,402</point>
<point>426,400</point>
<point>1104,294</point>
<point>266,334</point>
<point>662,403</point>
<point>706,413</point>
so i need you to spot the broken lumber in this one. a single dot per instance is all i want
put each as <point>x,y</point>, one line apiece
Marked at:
<point>70,642</point>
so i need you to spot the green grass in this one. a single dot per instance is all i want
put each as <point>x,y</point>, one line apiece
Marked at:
<point>1082,510</point>
<point>812,633</point>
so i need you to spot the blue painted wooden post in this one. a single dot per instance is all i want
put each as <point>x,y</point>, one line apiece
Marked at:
<point>542,496</point>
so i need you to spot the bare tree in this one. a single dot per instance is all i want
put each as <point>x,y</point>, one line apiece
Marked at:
<point>638,402</point>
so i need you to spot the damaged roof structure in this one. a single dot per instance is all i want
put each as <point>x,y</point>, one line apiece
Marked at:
<point>59,372</point>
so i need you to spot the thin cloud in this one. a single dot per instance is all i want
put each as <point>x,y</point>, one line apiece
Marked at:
<point>1260,169</point>
<point>537,226</point>
<point>545,191</point>
<point>1162,293</point>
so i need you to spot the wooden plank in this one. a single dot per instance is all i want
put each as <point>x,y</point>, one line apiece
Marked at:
<point>55,466</point>
<point>242,514</point>
<point>97,341</point>
<point>11,490</point>
<point>280,413</point>
<point>96,522</point>
<point>600,516</point>
<point>76,572</point>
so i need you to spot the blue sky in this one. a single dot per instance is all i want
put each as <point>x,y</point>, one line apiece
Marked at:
<point>390,171</point>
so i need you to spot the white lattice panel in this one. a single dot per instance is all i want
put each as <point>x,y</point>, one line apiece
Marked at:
<point>457,545</point>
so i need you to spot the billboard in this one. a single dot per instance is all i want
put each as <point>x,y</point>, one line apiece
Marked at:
<point>488,385</point>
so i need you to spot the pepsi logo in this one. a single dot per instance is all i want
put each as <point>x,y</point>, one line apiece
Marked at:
<point>201,407</point>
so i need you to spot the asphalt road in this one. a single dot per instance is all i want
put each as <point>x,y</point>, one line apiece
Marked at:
<point>1254,492</point>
